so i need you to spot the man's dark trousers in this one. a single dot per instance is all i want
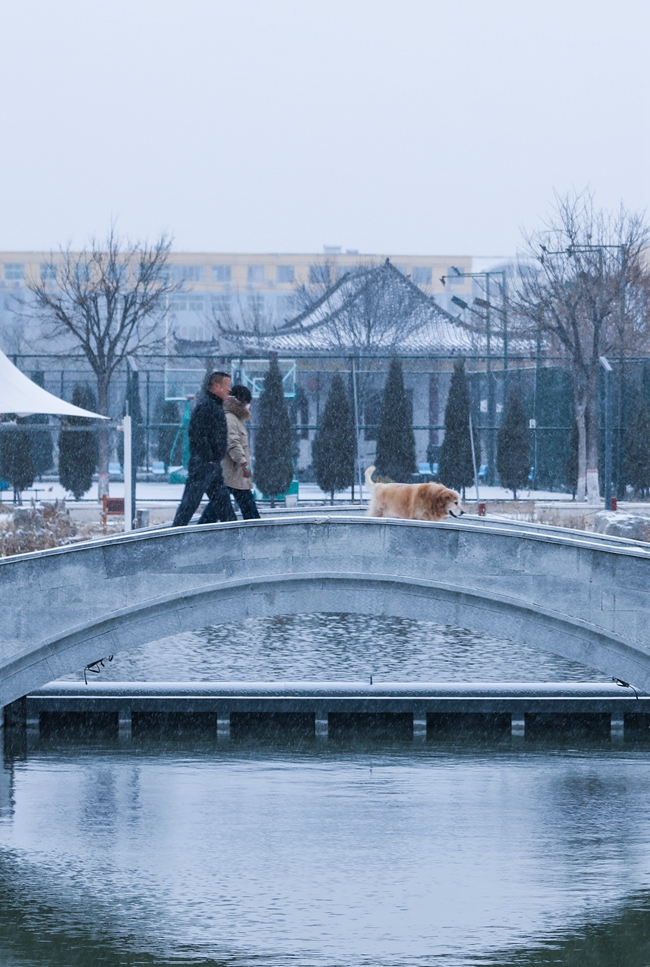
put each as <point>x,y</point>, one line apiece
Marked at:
<point>204,478</point>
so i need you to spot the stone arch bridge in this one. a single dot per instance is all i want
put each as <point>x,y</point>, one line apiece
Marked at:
<point>583,597</point>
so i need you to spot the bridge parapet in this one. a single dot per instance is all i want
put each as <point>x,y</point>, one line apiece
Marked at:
<point>569,592</point>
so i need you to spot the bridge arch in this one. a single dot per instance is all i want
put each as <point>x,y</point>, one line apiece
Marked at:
<point>580,596</point>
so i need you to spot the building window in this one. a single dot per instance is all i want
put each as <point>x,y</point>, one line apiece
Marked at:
<point>14,271</point>
<point>82,272</point>
<point>319,274</point>
<point>454,279</point>
<point>221,273</point>
<point>255,273</point>
<point>421,275</point>
<point>48,272</point>
<point>286,306</point>
<point>193,333</point>
<point>285,273</point>
<point>179,305</point>
<point>195,304</point>
<point>220,303</point>
<point>186,273</point>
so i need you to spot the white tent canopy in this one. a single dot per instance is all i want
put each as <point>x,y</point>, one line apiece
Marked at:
<point>18,394</point>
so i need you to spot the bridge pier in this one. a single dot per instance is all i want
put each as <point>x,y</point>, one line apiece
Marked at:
<point>124,724</point>
<point>419,727</point>
<point>517,725</point>
<point>321,725</point>
<point>223,726</point>
<point>617,727</point>
<point>33,727</point>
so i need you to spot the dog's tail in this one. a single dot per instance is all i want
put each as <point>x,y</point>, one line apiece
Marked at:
<point>369,481</point>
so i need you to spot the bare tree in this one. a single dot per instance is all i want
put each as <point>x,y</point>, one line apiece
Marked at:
<point>370,309</point>
<point>111,299</point>
<point>249,314</point>
<point>582,290</point>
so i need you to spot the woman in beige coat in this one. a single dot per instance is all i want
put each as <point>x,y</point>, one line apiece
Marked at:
<point>237,461</point>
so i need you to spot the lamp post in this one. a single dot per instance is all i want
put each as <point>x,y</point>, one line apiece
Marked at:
<point>130,469</point>
<point>128,478</point>
<point>487,305</point>
<point>604,362</point>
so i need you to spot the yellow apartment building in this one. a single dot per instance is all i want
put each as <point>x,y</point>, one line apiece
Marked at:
<point>241,287</point>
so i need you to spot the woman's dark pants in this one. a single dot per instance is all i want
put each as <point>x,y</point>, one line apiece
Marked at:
<point>246,503</point>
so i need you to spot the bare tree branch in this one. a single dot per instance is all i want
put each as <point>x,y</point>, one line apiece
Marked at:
<point>111,299</point>
<point>583,291</point>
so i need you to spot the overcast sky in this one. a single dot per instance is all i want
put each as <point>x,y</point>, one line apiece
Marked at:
<point>409,126</point>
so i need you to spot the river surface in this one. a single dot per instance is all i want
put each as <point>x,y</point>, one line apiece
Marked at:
<point>261,854</point>
<point>339,647</point>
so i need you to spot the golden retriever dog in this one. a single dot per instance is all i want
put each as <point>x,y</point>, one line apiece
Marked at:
<point>425,501</point>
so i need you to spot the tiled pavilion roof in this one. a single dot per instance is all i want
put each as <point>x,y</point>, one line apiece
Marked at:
<point>375,310</point>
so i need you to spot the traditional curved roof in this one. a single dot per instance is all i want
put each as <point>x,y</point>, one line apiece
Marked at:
<point>374,310</point>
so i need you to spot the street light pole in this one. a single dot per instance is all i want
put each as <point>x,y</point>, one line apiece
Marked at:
<point>489,374</point>
<point>132,387</point>
<point>128,479</point>
<point>604,362</point>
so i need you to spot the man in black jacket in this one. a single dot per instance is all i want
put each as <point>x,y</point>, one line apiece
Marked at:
<point>208,437</point>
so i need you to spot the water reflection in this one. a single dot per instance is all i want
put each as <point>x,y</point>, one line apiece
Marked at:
<point>183,852</point>
<point>265,857</point>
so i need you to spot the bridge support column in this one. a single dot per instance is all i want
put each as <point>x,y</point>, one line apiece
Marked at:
<point>223,726</point>
<point>33,726</point>
<point>124,725</point>
<point>517,725</point>
<point>617,727</point>
<point>322,725</point>
<point>419,727</point>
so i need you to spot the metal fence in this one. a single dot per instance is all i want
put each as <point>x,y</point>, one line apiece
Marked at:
<point>162,388</point>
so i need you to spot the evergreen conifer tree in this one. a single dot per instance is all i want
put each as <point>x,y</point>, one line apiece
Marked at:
<point>334,445</point>
<point>137,426</point>
<point>395,440</point>
<point>645,383</point>
<point>168,435</point>
<point>42,440</point>
<point>16,459</point>
<point>554,407</point>
<point>513,445</point>
<point>273,443</point>
<point>456,464</point>
<point>78,451</point>
<point>637,450</point>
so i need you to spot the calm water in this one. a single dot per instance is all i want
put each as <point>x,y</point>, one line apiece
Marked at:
<point>262,855</point>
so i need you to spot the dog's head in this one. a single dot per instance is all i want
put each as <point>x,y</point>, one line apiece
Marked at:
<point>445,503</point>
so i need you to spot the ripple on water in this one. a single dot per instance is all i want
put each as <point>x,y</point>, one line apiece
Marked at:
<point>339,647</point>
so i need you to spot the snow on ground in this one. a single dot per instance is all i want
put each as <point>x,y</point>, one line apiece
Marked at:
<point>308,492</point>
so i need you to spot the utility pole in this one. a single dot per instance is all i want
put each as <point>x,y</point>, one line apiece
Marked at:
<point>489,373</point>
<point>604,362</point>
<point>131,388</point>
<point>356,426</point>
